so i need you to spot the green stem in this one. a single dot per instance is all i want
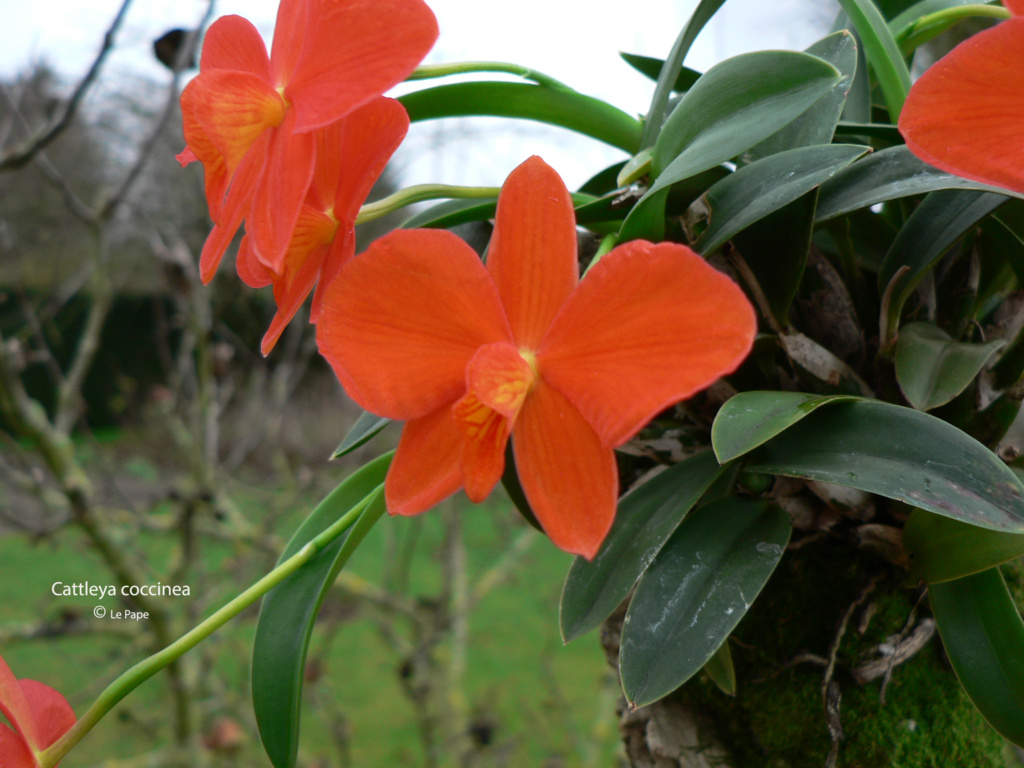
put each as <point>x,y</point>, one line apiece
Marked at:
<point>608,242</point>
<point>148,667</point>
<point>931,25</point>
<point>430,71</point>
<point>417,194</point>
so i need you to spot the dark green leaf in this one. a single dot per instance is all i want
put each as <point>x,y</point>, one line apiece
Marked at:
<point>932,368</point>
<point>721,671</point>
<point>651,67</point>
<point>750,419</point>
<point>695,593</point>
<point>902,454</point>
<point>645,519</point>
<point>568,109</point>
<point>514,489</point>
<point>667,77</point>
<point>936,224</point>
<point>451,213</point>
<point>910,33</point>
<point>886,175</point>
<point>756,190</point>
<point>289,610</point>
<point>367,426</point>
<point>942,549</point>
<point>882,52</point>
<point>984,638</point>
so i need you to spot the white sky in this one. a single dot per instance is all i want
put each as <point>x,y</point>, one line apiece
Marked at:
<point>579,47</point>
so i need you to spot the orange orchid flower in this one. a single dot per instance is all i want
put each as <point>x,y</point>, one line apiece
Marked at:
<point>964,114</point>
<point>250,118</point>
<point>39,714</point>
<point>418,329</point>
<point>351,155</point>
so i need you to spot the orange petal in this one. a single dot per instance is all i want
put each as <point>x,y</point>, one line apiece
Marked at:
<point>650,325</point>
<point>16,707</point>
<point>289,35</point>
<point>569,478</point>
<point>14,753</point>
<point>485,432</point>
<point>50,710</point>
<point>280,193</point>
<point>338,253</point>
<point>1016,7</point>
<point>303,261</point>
<point>250,269</point>
<point>964,114</point>
<point>425,469</point>
<point>402,320</point>
<point>233,109</point>
<point>199,147</point>
<point>500,377</point>
<point>232,42</point>
<point>354,51</point>
<point>532,255</point>
<point>234,211</point>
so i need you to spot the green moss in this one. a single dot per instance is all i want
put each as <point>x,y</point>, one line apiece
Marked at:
<point>778,719</point>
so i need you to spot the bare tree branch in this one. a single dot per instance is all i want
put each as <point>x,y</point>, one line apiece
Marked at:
<point>21,156</point>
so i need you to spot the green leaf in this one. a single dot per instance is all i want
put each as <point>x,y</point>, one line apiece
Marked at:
<point>666,78</point>
<point>902,454</point>
<point>764,186</point>
<point>736,104</point>
<point>984,638</point>
<point>942,549</point>
<point>646,517</point>
<point>695,593</point>
<point>936,224</point>
<point>932,367</point>
<point>649,66</point>
<point>721,671</point>
<point>289,610</point>
<point>927,20</point>
<point>886,175</point>
<point>451,213</point>
<point>367,426</point>
<point>750,419</point>
<point>514,489</point>
<point>567,109</point>
<point>882,52</point>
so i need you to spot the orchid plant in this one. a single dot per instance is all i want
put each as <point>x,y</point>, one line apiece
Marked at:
<point>802,328</point>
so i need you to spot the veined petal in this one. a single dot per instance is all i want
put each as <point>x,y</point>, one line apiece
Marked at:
<point>964,114</point>
<point>289,34</point>
<point>234,211</point>
<point>232,42</point>
<point>1016,7</point>
<point>14,753</point>
<point>532,255</point>
<point>314,231</point>
<point>498,380</point>
<point>339,252</point>
<point>280,192</point>
<point>15,706</point>
<point>233,108</point>
<point>52,714</point>
<point>569,478</point>
<point>251,270</point>
<point>425,469</point>
<point>649,326</point>
<point>353,51</point>
<point>403,319</point>
<point>199,147</point>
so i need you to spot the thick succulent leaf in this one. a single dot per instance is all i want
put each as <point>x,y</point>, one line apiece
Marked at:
<point>902,454</point>
<point>659,109</point>
<point>721,670</point>
<point>750,419</point>
<point>984,638</point>
<point>289,610</point>
<point>568,109</point>
<point>646,517</point>
<point>939,221</point>
<point>758,189</point>
<point>367,426</point>
<point>932,367</point>
<point>882,52</point>
<point>886,175</point>
<point>696,591</point>
<point>942,549</point>
<point>451,213</point>
<point>649,66</point>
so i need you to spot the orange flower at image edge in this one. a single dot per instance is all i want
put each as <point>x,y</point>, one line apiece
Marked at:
<point>39,714</point>
<point>418,329</point>
<point>965,113</point>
